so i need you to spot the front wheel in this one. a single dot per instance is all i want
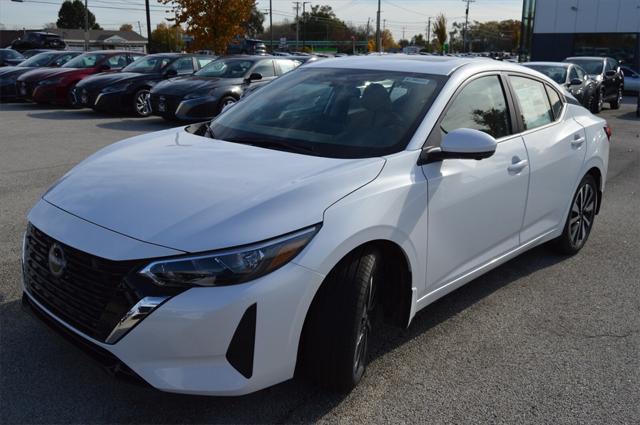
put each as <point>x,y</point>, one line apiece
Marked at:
<point>335,341</point>
<point>580,218</point>
<point>142,103</point>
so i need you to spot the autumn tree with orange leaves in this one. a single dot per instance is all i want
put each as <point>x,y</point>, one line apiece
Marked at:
<point>211,23</point>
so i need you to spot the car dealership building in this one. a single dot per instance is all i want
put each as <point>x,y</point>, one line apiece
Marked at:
<point>554,30</point>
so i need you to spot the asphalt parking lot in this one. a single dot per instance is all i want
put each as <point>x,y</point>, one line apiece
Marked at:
<point>541,339</point>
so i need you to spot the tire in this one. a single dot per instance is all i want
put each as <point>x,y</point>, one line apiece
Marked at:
<point>597,101</point>
<point>141,105</point>
<point>71,99</point>
<point>227,100</point>
<point>335,339</point>
<point>580,218</point>
<point>615,104</point>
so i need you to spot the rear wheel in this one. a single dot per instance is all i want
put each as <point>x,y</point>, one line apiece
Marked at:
<point>142,103</point>
<point>615,104</point>
<point>335,341</point>
<point>580,218</point>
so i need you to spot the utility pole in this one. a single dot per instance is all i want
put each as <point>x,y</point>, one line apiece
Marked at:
<point>86,25</point>
<point>378,38</point>
<point>466,25</point>
<point>139,28</point>
<point>403,28</point>
<point>304,22</point>
<point>429,33</point>
<point>297,3</point>
<point>271,23</point>
<point>146,3</point>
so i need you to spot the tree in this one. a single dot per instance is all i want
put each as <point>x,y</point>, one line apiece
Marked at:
<point>403,43</point>
<point>418,40</point>
<point>254,24</point>
<point>212,23</point>
<point>386,38</point>
<point>321,23</point>
<point>71,16</point>
<point>50,26</point>
<point>440,31</point>
<point>126,27</point>
<point>166,39</point>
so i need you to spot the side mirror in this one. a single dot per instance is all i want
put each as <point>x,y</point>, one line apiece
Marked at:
<point>254,77</point>
<point>575,82</point>
<point>463,143</point>
<point>170,73</point>
<point>610,73</point>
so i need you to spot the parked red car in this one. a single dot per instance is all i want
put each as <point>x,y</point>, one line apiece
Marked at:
<point>55,85</point>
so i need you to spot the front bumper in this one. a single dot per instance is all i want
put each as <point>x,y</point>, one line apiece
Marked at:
<point>189,344</point>
<point>198,109</point>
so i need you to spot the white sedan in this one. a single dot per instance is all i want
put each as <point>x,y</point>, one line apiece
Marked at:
<point>224,257</point>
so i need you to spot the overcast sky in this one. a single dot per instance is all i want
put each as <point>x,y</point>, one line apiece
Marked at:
<point>412,15</point>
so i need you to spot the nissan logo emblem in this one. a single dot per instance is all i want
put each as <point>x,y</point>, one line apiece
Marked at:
<point>57,262</point>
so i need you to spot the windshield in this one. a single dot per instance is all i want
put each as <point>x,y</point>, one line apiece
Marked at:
<point>41,59</point>
<point>147,65</point>
<point>342,113</point>
<point>10,54</point>
<point>592,66</point>
<point>87,60</point>
<point>556,73</point>
<point>226,68</point>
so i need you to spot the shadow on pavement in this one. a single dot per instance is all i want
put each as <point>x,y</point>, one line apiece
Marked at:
<point>139,124</point>
<point>45,379</point>
<point>70,114</point>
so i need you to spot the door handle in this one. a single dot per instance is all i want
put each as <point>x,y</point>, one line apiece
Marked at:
<point>516,167</point>
<point>577,141</point>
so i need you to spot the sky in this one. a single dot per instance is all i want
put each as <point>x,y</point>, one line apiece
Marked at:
<point>408,16</point>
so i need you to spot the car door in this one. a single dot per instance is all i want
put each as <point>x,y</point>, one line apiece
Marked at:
<point>475,207</point>
<point>556,148</point>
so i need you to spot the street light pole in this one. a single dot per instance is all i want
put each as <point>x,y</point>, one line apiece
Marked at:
<point>304,22</point>
<point>378,42</point>
<point>146,3</point>
<point>271,23</point>
<point>86,25</point>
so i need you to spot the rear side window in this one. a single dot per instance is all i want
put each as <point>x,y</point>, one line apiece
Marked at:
<point>533,101</point>
<point>118,61</point>
<point>286,65</point>
<point>480,105</point>
<point>204,61</point>
<point>265,68</point>
<point>556,102</point>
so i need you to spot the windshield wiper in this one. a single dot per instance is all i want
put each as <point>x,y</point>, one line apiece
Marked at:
<point>274,144</point>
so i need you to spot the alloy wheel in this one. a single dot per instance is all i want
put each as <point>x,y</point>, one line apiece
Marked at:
<point>364,330</point>
<point>143,106</point>
<point>582,214</point>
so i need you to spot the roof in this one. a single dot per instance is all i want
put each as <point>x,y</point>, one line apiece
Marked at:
<point>594,58</point>
<point>99,35</point>
<point>439,65</point>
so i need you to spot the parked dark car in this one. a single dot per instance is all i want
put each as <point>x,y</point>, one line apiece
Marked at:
<point>10,74</point>
<point>56,85</point>
<point>29,53</point>
<point>128,91</point>
<point>247,46</point>
<point>9,57</point>
<point>303,60</point>
<point>39,40</point>
<point>607,74</point>
<point>204,94</point>
<point>572,78</point>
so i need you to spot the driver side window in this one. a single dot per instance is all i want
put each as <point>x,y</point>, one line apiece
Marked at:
<point>481,105</point>
<point>265,68</point>
<point>183,66</point>
<point>117,61</point>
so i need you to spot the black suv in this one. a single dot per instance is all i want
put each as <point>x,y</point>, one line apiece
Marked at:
<point>38,40</point>
<point>607,74</point>
<point>247,46</point>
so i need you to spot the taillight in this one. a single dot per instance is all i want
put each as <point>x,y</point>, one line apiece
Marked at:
<point>607,130</point>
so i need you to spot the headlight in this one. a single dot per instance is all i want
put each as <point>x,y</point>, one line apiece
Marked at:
<point>50,81</point>
<point>231,266</point>
<point>116,87</point>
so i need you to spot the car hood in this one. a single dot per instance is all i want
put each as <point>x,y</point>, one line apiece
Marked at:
<point>194,194</point>
<point>101,80</point>
<point>181,86</point>
<point>44,73</point>
<point>13,71</point>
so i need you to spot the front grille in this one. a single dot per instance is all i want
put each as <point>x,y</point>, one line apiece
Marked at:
<point>170,104</point>
<point>90,294</point>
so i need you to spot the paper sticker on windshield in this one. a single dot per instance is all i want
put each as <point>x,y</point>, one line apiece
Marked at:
<point>414,80</point>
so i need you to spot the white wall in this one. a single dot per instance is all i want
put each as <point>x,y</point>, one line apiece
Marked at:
<point>587,16</point>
